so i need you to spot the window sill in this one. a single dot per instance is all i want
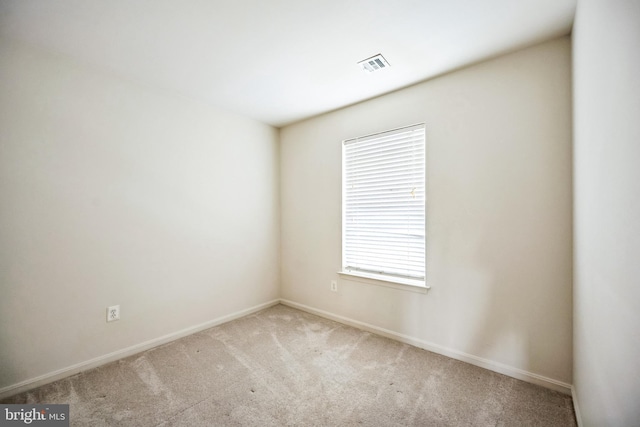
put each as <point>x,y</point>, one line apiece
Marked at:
<point>410,285</point>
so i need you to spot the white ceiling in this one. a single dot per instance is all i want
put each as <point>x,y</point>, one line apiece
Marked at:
<point>279,61</point>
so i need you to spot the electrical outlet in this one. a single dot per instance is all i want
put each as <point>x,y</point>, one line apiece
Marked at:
<point>113,313</point>
<point>334,286</point>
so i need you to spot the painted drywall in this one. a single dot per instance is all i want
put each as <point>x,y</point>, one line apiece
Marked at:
<point>499,221</point>
<point>115,193</point>
<point>606,59</point>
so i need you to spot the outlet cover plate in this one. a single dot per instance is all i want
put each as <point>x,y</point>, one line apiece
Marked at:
<point>113,313</point>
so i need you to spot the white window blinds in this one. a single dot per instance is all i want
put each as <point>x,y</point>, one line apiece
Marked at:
<point>384,203</point>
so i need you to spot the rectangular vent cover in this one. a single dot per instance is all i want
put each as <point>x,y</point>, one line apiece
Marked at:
<point>374,63</point>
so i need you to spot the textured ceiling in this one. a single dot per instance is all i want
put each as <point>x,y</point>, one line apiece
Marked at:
<point>279,61</point>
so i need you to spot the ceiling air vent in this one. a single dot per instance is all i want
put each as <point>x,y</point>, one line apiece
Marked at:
<point>374,63</point>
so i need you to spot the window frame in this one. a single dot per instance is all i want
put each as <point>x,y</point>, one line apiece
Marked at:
<point>370,277</point>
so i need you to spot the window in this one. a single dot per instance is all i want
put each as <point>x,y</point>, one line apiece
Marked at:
<point>383,210</point>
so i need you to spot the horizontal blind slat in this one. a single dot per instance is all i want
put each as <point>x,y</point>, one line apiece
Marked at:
<point>384,136</point>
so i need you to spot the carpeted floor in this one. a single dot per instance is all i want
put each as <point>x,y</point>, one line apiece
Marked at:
<point>282,367</point>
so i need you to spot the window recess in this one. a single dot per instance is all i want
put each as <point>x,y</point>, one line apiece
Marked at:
<point>384,206</point>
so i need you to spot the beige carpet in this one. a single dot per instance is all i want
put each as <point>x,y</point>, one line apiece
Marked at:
<point>282,367</point>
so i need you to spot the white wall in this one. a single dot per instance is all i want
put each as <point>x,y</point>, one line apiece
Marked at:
<point>499,212</point>
<point>113,193</point>
<point>607,212</point>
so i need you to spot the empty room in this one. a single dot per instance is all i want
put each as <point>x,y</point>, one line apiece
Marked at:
<point>320,213</point>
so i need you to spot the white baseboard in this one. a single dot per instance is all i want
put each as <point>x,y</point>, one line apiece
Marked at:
<point>454,354</point>
<point>435,348</point>
<point>576,407</point>
<point>129,351</point>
